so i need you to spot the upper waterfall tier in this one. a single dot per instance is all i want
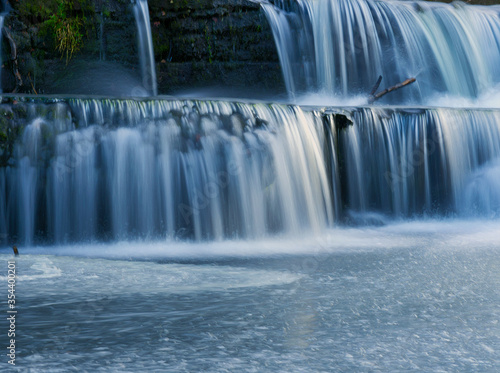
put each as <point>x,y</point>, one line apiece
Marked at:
<point>340,47</point>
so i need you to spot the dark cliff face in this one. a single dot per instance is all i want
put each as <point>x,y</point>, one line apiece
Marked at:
<point>197,43</point>
<point>218,43</point>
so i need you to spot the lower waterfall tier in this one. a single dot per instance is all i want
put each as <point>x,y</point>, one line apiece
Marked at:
<point>86,169</point>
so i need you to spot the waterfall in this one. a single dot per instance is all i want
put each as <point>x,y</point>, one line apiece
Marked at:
<point>118,169</point>
<point>199,170</point>
<point>340,47</point>
<point>421,161</point>
<point>145,42</point>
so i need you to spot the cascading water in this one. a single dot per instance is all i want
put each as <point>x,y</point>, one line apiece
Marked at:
<point>340,47</point>
<point>413,161</point>
<point>117,169</point>
<point>221,251</point>
<point>146,53</point>
<point>167,168</point>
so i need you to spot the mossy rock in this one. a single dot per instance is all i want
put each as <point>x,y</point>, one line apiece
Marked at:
<point>20,110</point>
<point>9,134</point>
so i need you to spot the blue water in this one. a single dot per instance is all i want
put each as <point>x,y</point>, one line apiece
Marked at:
<point>340,47</point>
<point>408,296</point>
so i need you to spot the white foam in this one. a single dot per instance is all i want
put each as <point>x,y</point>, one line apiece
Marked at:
<point>103,276</point>
<point>427,233</point>
<point>41,268</point>
<point>489,99</point>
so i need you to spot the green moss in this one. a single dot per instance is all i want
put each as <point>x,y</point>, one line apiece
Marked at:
<point>66,22</point>
<point>9,133</point>
<point>68,28</point>
<point>36,10</point>
<point>20,111</point>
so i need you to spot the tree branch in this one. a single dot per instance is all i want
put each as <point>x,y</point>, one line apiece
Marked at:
<point>375,97</point>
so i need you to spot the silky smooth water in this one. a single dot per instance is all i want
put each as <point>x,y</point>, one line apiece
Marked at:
<point>177,235</point>
<point>409,296</point>
<point>110,169</point>
<point>146,52</point>
<point>321,248</point>
<point>340,47</point>
<point>167,168</point>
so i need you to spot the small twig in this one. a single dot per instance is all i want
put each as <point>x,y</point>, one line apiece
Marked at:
<point>375,87</point>
<point>375,97</point>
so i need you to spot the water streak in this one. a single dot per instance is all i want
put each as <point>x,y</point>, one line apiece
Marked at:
<point>146,53</point>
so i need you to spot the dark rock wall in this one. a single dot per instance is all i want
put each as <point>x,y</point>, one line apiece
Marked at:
<point>197,43</point>
<point>222,43</point>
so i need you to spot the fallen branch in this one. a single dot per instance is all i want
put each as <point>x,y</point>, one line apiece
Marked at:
<point>13,57</point>
<point>375,97</point>
<point>375,87</point>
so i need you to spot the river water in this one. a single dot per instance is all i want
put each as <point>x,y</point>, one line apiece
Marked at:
<point>407,296</point>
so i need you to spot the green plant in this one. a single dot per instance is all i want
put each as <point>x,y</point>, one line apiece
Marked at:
<point>68,28</point>
<point>106,12</point>
<point>66,21</point>
<point>69,38</point>
<point>37,9</point>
